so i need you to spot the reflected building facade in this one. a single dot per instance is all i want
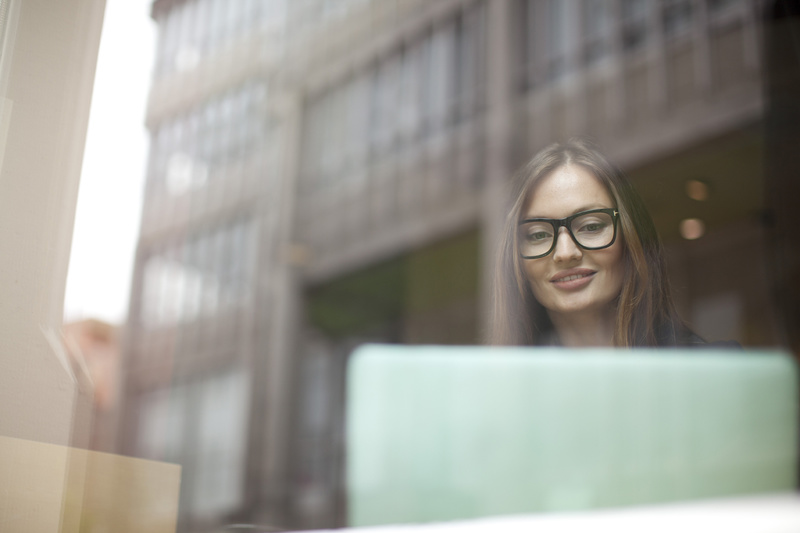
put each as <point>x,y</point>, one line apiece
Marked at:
<point>325,173</point>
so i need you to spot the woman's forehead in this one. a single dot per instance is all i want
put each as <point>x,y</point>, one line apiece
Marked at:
<point>564,191</point>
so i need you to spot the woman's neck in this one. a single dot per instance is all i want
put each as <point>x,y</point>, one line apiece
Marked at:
<point>588,329</point>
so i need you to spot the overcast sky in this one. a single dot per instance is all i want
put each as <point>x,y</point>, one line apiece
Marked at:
<point>109,201</point>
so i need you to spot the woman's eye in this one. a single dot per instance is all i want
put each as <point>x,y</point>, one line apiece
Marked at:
<point>538,236</point>
<point>592,227</point>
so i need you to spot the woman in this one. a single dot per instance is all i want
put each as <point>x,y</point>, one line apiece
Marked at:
<point>580,261</point>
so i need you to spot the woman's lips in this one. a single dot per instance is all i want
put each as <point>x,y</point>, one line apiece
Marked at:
<point>573,279</point>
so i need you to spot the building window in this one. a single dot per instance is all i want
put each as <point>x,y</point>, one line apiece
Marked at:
<point>195,29</point>
<point>206,274</point>
<point>220,443</point>
<point>211,142</point>
<point>546,40</point>
<point>308,163</point>
<point>409,110</point>
<point>528,45</point>
<point>201,425</point>
<point>720,6</point>
<point>386,98</point>
<point>557,39</point>
<point>162,290</point>
<point>438,77</point>
<point>635,18</point>
<point>187,56</point>
<point>161,424</point>
<point>332,136</point>
<point>273,11</point>
<point>596,30</point>
<point>424,87</point>
<point>357,117</point>
<point>676,17</point>
<point>469,61</point>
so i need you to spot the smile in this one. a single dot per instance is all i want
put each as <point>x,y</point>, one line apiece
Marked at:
<point>570,278</point>
<point>573,279</point>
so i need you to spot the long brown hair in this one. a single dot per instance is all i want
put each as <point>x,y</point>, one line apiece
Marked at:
<point>646,314</point>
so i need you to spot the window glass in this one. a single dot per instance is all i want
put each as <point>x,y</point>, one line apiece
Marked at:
<point>717,6</point>
<point>677,17</point>
<point>557,38</point>
<point>468,58</point>
<point>596,29</point>
<point>635,15</point>
<point>221,443</point>
<point>194,278</point>
<point>409,111</point>
<point>387,98</point>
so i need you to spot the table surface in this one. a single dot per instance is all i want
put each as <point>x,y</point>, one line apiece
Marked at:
<point>771,513</point>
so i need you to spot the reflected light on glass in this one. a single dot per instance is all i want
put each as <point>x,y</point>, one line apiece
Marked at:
<point>692,228</point>
<point>697,190</point>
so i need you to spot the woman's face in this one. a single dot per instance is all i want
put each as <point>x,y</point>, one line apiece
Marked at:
<point>571,281</point>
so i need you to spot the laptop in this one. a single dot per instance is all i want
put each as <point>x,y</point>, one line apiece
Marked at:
<point>438,433</point>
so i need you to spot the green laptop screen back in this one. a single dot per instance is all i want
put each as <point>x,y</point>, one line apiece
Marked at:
<point>444,433</point>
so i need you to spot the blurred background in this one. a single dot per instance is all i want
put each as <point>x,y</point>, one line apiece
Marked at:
<point>324,173</point>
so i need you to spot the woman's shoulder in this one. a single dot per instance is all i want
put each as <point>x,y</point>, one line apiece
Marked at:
<point>693,340</point>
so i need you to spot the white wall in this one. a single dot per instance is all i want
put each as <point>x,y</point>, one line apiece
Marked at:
<point>46,78</point>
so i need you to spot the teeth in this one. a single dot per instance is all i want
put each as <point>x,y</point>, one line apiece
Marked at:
<point>570,278</point>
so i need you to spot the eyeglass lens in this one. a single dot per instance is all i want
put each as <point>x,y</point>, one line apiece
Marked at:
<point>590,230</point>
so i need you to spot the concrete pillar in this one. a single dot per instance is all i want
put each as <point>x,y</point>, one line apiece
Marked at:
<point>276,367</point>
<point>499,126</point>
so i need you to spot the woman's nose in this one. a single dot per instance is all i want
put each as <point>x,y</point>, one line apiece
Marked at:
<point>566,248</point>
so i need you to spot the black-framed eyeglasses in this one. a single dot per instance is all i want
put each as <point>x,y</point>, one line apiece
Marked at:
<point>591,230</point>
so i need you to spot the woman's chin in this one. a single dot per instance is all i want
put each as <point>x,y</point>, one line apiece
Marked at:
<point>580,309</point>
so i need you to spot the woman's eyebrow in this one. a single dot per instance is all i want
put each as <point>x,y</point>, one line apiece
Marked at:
<point>578,210</point>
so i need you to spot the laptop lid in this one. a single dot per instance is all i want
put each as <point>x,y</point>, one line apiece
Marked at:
<point>441,433</point>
